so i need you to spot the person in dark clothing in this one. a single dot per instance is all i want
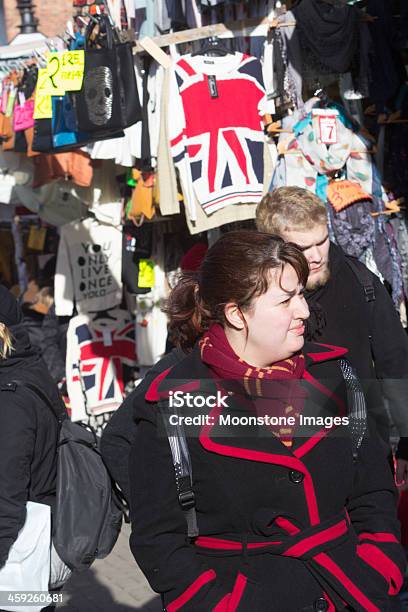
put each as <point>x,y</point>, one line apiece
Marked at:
<point>274,530</point>
<point>120,431</point>
<point>28,429</point>
<point>376,341</point>
<point>44,329</point>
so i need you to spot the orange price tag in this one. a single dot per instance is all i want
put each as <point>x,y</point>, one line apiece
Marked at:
<point>344,193</point>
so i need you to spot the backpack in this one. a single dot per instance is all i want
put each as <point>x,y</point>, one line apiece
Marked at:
<point>365,279</point>
<point>89,508</point>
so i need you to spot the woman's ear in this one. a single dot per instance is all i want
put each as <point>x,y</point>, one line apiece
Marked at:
<point>234,316</point>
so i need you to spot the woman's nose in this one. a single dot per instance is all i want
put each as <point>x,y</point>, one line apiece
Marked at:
<point>302,309</point>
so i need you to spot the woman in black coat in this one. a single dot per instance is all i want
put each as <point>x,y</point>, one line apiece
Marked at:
<point>28,430</point>
<point>294,501</point>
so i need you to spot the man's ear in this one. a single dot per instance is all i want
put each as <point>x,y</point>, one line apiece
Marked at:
<point>234,316</point>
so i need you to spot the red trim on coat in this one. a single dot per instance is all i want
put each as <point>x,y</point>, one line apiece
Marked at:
<point>379,561</point>
<point>334,352</point>
<point>192,590</point>
<point>152,394</point>
<point>186,67</point>
<point>262,457</point>
<point>287,525</point>
<point>237,592</point>
<point>319,435</point>
<point>222,606</point>
<point>325,561</point>
<point>311,443</point>
<point>379,537</point>
<point>331,607</point>
<point>331,533</point>
<point>220,544</point>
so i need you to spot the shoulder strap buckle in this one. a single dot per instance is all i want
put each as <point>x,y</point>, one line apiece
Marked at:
<point>187,499</point>
<point>369,293</point>
<point>10,386</point>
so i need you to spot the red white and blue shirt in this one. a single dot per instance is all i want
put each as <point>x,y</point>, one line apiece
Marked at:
<point>215,129</point>
<point>97,353</point>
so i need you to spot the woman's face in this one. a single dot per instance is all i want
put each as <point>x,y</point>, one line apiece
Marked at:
<point>275,322</point>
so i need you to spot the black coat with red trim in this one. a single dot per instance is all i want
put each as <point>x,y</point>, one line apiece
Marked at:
<point>281,529</point>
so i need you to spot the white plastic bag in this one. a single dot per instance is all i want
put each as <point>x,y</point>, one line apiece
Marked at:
<point>28,565</point>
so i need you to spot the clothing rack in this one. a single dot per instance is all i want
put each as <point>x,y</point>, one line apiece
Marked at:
<point>10,52</point>
<point>243,27</point>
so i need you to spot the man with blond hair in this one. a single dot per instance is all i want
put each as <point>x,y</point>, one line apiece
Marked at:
<point>349,307</point>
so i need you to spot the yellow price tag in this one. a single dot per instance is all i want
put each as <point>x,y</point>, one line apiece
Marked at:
<point>65,71</point>
<point>10,102</point>
<point>146,274</point>
<point>36,238</point>
<point>42,106</point>
<point>46,83</point>
<point>71,74</point>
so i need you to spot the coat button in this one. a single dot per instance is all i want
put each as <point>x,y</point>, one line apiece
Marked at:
<point>296,476</point>
<point>321,605</point>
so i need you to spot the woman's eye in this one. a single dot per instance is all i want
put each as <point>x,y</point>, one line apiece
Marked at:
<point>286,301</point>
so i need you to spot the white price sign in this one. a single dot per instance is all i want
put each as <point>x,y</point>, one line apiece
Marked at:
<point>328,129</point>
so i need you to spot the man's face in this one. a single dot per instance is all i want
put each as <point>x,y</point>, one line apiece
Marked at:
<point>315,245</point>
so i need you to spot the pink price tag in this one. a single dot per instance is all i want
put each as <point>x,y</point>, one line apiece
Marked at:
<point>23,118</point>
<point>328,129</point>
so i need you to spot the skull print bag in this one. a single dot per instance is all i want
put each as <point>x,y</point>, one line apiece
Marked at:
<point>108,99</point>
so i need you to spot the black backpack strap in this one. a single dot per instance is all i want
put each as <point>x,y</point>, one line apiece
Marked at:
<point>357,407</point>
<point>60,416</point>
<point>365,278</point>
<point>182,467</point>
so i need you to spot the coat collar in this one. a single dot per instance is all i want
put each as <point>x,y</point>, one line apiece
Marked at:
<point>174,378</point>
<point>192,375</point>
<point>316,352</point>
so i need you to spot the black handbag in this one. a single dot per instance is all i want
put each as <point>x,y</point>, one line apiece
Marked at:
<point>60,134</point>
<point>109,98</point>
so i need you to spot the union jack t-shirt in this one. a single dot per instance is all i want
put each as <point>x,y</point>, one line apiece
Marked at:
<point>215,129</point>
<point>97,354</point>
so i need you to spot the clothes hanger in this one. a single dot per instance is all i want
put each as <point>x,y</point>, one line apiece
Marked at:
<point>103,314</point>
<point>214,46</point>
<point>391,208</point>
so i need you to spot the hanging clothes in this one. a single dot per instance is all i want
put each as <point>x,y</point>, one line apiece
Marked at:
<point>56,203</point>
<point>309,163</point>
<point>98,353</point>
<point>215,129</point>
<point>151,321</point>
<point>170,197</point>
<point>136,247</point>
<point>89,267</point>
<point>74,165</point>
<point>327,32</point>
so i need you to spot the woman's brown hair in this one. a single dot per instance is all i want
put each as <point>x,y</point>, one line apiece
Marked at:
<point>235,269</point>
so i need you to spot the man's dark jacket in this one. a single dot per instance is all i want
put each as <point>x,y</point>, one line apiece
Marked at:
<point>346,319</point>
<point>28,435</point>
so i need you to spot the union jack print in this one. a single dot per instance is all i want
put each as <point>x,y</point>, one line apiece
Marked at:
<point>97,356</point>
<point>217,141</point>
